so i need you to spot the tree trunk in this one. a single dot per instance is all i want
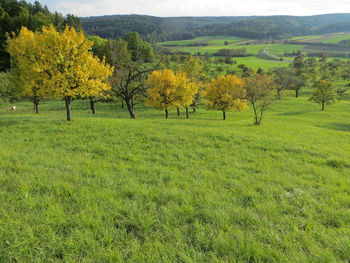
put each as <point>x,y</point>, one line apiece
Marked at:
<point>194,110</point>
<point>92,106</point>
<point>322,106</point>
<point>297,93</point>
<point>132,103</point>
<point>278,94</point>
<point>36,107</point>
<point>224,115</point>
<point>178,111</point>
<point>68,107</point>
<point>166,113</point>
<point>187,113</point>
<point>256,121</point>
<point>130,108</point>
<point>122,104</point>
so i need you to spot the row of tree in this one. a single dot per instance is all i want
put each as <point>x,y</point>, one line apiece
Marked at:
<point>67,65</point>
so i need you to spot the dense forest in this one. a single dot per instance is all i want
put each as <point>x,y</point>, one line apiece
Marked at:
<point>15,14</point>
<point>155,29</point>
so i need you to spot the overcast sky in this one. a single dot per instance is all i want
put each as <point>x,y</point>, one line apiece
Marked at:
<point>198,7</point>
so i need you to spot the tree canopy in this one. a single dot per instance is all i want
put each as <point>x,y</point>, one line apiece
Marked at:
<point>62,63</point>
<point>226,94</point>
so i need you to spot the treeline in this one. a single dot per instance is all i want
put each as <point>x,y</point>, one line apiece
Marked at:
<point>155,29</point>
<point>15,14</point>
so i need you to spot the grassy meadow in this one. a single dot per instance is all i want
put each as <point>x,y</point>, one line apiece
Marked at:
<point>106,188</point>
<point>215,43</point>
<point>333,38</point>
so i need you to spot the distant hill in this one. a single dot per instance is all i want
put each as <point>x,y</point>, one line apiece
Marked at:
<point>155,29</point>
<point>152,28</point>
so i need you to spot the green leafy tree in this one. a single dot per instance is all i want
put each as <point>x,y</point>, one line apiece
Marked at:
<point>259,89</point>
<point>129,77</point>
<point>325,93</point>
<point>282,79</point>
<point>140,50</point>
<point>9,91</point>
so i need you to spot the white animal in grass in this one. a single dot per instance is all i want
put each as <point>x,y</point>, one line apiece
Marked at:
<point>13,108</point>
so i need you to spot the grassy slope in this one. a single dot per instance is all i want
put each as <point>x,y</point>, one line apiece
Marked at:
<point>111,189</point>
<point>217,42</point>
<point>211,40</point>
<point>333,38</point>
<point>255,63</point>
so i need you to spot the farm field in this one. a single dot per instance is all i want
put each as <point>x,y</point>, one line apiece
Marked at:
<point>333,38</point>
<point>211,40</point>
<point>216,43</point>
<point>331,50</point>
<point>106,188</point>
<point>254,62</point>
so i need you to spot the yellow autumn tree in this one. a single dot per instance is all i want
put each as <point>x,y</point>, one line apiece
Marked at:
<point>26,54</point>
<point>226,94</point>
<point>97,78</point>
<point>64,62</point>
<point>163,91</point>
<point>186,90</point>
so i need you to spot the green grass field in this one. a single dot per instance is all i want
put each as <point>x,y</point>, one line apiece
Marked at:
<point>255,63</point>
<point>333,38</point>
<point>216,43</point>
<point>106,188</point>
<point>211,40</point>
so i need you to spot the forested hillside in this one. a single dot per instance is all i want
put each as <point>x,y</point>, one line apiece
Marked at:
<point>155,29</point>
<point>152,28</point>
<point>15,14</point>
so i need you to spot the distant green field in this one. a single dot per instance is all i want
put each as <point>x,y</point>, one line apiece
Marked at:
<point>331,50</point>
<point>211,40</point>
<point>280,49</point>
<point>333,38</point>
<point>336,40</point>
<point>255,63</point>
<point>217,44</point>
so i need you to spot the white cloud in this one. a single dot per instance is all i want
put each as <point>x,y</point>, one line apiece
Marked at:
<point>199,7</point>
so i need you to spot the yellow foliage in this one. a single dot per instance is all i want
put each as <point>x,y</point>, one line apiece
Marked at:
<point>169,90</point>
<point>186,89</point>
<point>162,94</point>
<point>63,63</point>
<point>226,94</point>
<point>25,51</point>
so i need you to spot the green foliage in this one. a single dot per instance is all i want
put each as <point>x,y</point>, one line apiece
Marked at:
<point>259,93</point>
<point>140,50</point>
<point>14,14</point>
<point>325,93</point>
<point>154,29</point>
<point>9,88</point>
